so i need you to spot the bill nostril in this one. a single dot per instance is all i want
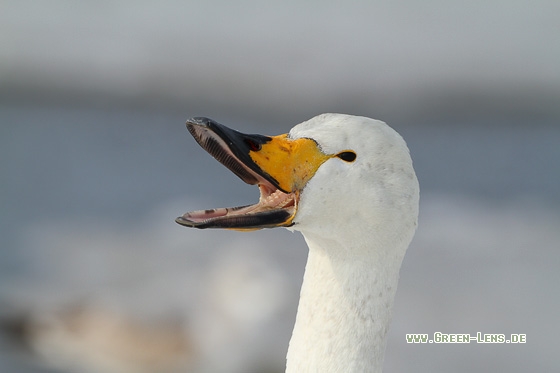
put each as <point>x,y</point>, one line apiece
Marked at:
<point>254,146</point>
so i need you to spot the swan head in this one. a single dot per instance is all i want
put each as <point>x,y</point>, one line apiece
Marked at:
<point>372,197</point>
<point>334,177</point>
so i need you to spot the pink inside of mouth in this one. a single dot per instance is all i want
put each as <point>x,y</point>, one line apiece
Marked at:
<point>270,199</point>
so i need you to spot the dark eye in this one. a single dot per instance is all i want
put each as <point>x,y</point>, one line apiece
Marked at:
<point>347,156</point>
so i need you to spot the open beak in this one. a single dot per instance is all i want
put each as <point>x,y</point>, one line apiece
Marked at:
<point>280,166</point>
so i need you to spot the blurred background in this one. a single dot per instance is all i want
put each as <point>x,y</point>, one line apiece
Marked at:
<point>96,163</point>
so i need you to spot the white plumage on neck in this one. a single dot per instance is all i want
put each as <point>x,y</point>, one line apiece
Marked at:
<point>358,219</point>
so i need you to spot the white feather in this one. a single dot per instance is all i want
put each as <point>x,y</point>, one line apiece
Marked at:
<point>358,219</point>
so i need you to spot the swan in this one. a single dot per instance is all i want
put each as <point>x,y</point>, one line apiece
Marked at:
<point>348,185</point>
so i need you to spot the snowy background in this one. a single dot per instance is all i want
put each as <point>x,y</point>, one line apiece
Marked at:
<point>96,163</point>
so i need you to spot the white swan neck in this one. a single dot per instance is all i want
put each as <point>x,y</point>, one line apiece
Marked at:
<point>344,313</point>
